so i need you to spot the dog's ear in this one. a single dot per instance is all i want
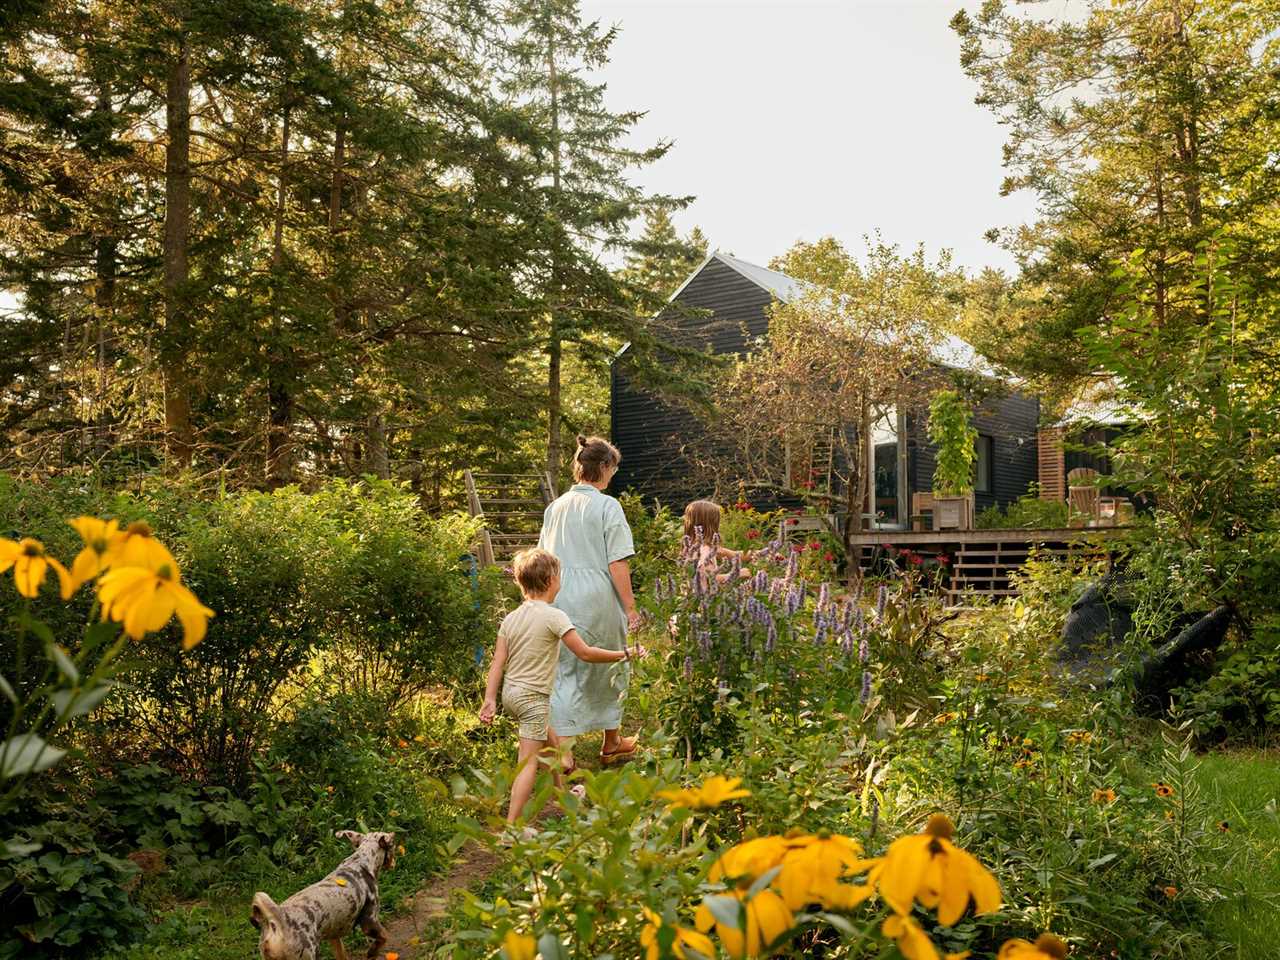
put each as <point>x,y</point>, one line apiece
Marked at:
<point>351,835</point>
<point>385,840</point>
<point>263,910</point>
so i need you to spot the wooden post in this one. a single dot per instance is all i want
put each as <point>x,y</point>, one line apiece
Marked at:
<point>484,545</point>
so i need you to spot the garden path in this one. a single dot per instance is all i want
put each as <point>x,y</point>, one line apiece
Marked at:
<point>407,932</point>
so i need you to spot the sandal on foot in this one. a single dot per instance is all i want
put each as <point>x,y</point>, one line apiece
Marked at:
<point>625,750</point>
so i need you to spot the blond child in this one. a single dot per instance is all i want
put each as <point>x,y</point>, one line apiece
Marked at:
<point>524,664</point>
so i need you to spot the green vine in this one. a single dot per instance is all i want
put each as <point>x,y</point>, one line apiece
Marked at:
<point>950,432</point>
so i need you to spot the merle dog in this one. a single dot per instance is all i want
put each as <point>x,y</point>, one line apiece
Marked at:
<point>329,909</point>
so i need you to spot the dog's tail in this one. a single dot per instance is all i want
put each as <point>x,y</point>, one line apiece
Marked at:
<point>264,910</point>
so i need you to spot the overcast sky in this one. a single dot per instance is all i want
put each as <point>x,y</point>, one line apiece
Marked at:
<point>793,119</point>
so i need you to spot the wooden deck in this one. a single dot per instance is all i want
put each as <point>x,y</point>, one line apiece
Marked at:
<point>982,562</point>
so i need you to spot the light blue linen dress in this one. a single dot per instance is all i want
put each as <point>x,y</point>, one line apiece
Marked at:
<point>586,531</point>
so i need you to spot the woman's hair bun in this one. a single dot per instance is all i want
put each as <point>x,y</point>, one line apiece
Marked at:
<point>582,441</point>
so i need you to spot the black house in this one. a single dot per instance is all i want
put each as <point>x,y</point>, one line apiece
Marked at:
<point>659,441</point>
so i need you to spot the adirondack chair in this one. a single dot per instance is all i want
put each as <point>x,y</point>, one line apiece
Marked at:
<point>1084,500</point>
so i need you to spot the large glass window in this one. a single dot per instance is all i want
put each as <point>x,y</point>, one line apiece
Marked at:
<point>983,464</point>
<point>884,440</point>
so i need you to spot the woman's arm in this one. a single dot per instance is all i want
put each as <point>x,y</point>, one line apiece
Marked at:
<point>620,572</point>
<point>490,707</point>
<point>578,647</point>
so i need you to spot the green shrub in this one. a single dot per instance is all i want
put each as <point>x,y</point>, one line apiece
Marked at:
<point>955,439</point>
<point>1241,700</point>
<point>1028,512</point>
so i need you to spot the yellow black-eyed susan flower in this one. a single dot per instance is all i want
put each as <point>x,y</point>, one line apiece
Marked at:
<point>136,546</point>
<point>1223,826</point>
<point>1104,796</point>
<point>144,600</point>
<point>1163,790</point>
<point>685,940</point>
<point>519,946</point>
<point>1046,947</point>
<point>813,867</point>
<point>929,868</point>
<point>31,565</point>
<point>98,536</point>
<point>913,943</point>
<point>715,791</point>
<point>1170,891</point>
<point>766,918</point>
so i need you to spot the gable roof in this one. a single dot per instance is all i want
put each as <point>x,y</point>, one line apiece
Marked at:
<point>949,351</point>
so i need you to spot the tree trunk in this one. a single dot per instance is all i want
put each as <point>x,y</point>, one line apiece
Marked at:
<point>177,229</point>
<point>376,458</point>
<point>279,389</point>
<point>554,346</point>
<point>104,295</point>
<point>554,455</point>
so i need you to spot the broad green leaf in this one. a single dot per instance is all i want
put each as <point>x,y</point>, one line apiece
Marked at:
<point>726,910</point>
<point>27,753</point>
<point>79,702</point>
<point>63,661</point>
<point>550,947</point>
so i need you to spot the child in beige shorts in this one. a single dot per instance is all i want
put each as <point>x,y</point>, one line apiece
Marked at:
<point>526,653</point>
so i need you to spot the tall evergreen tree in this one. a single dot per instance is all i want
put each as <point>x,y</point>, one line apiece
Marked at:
<point>584,204</point>
<point>661,260</point>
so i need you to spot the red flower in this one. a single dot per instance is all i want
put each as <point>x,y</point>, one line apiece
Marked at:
<point>792,521</point>
<point>887,545</point>
<point>796,548</point>
<point>815,545</point>
<point>742,505</point>
<point>753,534</point>
<point>828,556</point>
<point>917,559</point>
<point>799,511</point>
<point>942,559</point>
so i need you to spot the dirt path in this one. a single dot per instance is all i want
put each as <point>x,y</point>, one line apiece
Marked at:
<point>407,932</point>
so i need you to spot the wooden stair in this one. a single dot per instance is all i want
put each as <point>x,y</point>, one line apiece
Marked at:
<point>987,569</point>
<point>511,506</point>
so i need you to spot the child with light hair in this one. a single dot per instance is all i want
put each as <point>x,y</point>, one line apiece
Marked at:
<point>524,666</point>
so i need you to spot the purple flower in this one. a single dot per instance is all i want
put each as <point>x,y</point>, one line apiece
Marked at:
<point>860,622</point>
<point>775,590</point>
<point>704,642</point>
<point>820,631</point>
<point>824,595</point>
<point>771,638</point>
<point>762,581</point>
<point>864,649</point>
<point>866,686</point>
<point>846,642</point>
<point>688,668</point>
<point>882,598</point>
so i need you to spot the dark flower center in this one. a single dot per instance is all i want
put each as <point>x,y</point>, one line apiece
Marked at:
<point>139,528</point>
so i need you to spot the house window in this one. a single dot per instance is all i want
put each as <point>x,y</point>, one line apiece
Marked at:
<point>983,463</point>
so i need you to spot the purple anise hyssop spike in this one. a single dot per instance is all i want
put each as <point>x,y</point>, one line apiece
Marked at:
<point>865,695</point>
<point>846,642</point>
<point>688,668</point>
<point>819,630</point>
<point>762,581</point>
<point>882,598</point>
<point>771,637</point>
<point>864,649</point>
<point>824,595</point>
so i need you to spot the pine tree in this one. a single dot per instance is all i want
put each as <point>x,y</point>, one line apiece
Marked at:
<point>660,260</point>
<point>584,204</point>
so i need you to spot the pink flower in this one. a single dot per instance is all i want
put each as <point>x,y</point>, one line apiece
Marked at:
<point>753,534</point>
<point>828,556</point>
<point>942,559</point>
<point>792,521</point>
<point>917,559</point>
<point>815,545</point>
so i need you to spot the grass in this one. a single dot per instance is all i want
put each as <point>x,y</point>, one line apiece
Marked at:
<point>1244,785</point>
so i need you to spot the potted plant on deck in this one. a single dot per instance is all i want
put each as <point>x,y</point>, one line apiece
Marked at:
<point>955,440</point>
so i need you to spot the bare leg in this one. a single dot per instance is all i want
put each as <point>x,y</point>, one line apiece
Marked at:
<point>339,949</point>
<point>551,759</point>
<point>522,786</point>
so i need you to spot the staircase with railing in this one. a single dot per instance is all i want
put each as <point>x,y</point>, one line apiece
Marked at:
<point>511,506</point>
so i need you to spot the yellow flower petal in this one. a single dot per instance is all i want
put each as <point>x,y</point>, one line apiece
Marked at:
<point>519,946</point>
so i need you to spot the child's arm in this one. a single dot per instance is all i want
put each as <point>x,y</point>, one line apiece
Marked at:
<point>490,707</point>
<point>578,647</point>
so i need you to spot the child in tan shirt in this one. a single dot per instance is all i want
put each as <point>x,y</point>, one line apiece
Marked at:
<point>527,651</point>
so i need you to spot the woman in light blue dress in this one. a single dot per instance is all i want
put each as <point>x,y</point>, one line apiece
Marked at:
<point>586,530</point>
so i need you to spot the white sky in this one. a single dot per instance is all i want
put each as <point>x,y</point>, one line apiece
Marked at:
<point>794,119</point>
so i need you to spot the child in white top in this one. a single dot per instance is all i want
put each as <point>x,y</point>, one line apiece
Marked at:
<point>527,650</point>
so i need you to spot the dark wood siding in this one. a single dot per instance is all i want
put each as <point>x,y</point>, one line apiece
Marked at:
<point>655,437</point>
<point>1011,421</point>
